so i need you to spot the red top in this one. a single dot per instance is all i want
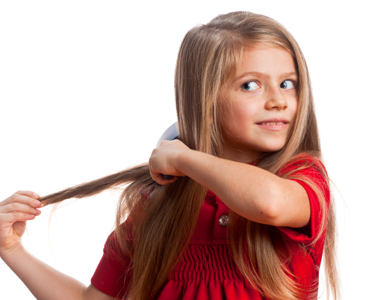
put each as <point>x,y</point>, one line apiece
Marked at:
<point>207,270</point>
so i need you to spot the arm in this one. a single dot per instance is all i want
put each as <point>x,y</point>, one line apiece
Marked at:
<point>251,192</point>
<point>43,281</point>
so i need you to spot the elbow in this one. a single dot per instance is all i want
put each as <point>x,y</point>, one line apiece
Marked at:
<point>272,211</point>
<point>271,215</point>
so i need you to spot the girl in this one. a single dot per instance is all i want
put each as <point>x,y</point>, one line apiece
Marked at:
<point>247,214</point>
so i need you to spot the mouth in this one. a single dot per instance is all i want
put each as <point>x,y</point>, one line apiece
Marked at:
<point>273,125</point>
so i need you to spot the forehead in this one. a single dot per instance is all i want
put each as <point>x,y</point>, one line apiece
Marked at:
<point>270,60</point>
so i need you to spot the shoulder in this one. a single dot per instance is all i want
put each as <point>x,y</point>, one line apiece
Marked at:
<point>306,168</point>
<point>302,162</point>
<point>311,174</point>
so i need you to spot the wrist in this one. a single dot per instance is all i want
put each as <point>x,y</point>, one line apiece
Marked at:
<point>9,253</point>
<point>182,160</point>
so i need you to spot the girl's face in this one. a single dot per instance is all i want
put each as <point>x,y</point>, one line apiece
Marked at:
<point>259,104</point>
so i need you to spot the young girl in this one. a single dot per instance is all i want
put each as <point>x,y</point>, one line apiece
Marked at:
<point>247,214</point>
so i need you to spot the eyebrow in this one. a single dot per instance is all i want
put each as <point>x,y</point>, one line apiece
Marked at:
<point>287,74</point>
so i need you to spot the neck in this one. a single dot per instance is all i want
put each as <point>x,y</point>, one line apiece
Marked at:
<point>239,155</point>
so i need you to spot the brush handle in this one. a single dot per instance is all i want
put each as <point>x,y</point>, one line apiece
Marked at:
<point>170,134</point>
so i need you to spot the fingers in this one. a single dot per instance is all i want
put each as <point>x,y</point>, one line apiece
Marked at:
<point>15,217</point>
<point>25,197</point>
<point>28,193</point>
<point>20,206</point>
<point>161,180</point>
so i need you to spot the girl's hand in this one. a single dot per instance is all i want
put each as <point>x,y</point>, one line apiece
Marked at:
<point>14,212</point>
<point>164,159</point>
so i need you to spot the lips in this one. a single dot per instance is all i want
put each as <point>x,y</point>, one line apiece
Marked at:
<point>273,124</point>
<point>274,121</point>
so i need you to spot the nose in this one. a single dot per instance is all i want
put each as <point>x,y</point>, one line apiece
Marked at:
<point>276,100</point>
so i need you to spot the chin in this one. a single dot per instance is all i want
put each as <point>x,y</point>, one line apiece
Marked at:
<point>272,147</point>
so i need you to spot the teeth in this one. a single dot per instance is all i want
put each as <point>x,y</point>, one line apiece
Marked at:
<point>273,123</point>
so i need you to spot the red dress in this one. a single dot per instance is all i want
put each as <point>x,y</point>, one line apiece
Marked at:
<point>207,270</point>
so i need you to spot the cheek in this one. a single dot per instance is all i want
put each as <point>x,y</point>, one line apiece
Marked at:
<point>236,120</point>
<point>292,105</point>
<point>245,113</point>
<point>294,108</point>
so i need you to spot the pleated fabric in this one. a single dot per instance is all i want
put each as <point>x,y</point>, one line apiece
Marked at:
<point>207,272</point>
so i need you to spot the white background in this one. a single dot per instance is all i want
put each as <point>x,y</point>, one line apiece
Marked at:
<point>86,89</point>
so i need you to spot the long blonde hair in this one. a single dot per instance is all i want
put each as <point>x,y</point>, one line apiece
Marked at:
<point>160,216</point>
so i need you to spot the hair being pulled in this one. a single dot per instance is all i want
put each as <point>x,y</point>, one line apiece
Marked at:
<point>158,216</point>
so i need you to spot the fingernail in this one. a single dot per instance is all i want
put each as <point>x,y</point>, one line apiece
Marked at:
<point>36,196</point>
<point>38,211</point>
<point>37,203</point>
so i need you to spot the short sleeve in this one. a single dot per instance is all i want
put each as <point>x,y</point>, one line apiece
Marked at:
<point>111,276</point>
<point>308,233</point>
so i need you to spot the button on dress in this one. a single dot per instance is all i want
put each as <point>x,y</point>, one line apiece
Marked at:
<point>207,270</point>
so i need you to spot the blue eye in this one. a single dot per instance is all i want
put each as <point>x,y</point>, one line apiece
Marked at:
<point>287,84</point>
<point>250,86</point>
